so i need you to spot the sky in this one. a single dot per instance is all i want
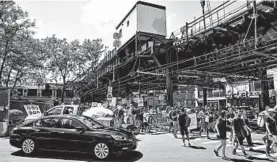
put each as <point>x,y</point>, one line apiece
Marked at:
<point>91,19</point>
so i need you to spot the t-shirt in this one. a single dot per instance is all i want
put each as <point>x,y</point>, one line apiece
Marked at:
<point>272,125</point>
<point>173,114</point>
<point>239,127</point>
<point>182,120</point>
<point>222,126</point>
<point>146,117</point>
<point>201,114</point>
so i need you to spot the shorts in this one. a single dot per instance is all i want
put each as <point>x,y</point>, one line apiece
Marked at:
<point>222,136</point>
<point>184,130</point>
<point>145,124</point>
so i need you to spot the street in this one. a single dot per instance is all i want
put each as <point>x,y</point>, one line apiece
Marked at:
<point>152,148</point>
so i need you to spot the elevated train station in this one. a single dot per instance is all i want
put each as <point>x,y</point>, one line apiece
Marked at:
<point>218,47</point>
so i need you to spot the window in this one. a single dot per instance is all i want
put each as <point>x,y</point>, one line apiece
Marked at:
<point>55,111</point>
<point>90,123</point>
<point>81,110</point>
<point>68,110</point>
<point>70,124</point>
<point>48,122</point>
<point>32,92</point>
<point>128,23</point>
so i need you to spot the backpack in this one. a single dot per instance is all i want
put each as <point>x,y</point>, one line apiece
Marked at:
<point>261,121</point>
<point>188,120</point>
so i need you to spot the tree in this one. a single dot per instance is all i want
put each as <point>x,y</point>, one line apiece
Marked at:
<point>70,62</point>
<point>20,54</point>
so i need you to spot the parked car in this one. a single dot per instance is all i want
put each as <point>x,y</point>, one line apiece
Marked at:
<point>250,113</point>
<point>59,110</point>
<point>72,133</point>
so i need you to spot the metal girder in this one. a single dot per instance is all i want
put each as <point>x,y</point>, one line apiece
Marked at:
<point>265,55</point>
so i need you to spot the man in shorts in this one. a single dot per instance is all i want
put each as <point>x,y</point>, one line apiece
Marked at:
<point>239,131</point>
<point>184,122</point>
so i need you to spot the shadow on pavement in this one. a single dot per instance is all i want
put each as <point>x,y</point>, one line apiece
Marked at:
<point>263,159</point>
<point>258,151</point>
<point>197,147</point>
<point>127,157</point>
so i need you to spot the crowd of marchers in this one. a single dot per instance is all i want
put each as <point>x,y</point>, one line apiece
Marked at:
<point>220,121</point>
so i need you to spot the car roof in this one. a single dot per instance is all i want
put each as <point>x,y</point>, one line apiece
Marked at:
<point>62,116</point>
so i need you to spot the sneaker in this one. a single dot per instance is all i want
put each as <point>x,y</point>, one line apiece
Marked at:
<point>189,144</point>
<point>216,153</point>
<point>247,156</point>
<point>225,158</point>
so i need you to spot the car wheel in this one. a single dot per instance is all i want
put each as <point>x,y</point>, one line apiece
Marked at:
<point>101,151</point>
<point>28,146</point>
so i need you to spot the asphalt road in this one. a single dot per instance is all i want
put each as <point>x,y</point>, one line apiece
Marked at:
<point>152,148</point>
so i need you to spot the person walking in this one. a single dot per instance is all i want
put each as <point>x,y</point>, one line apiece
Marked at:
<point>271,130</point>
<point>184,123</point>
<point>248,131</point>
<point>239,129</point>
<point>209,122</point>
<point>201,117</point>
<point>174,118</point>
<point>221,128</point>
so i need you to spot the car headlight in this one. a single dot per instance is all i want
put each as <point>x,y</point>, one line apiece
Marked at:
<point>118,137</point>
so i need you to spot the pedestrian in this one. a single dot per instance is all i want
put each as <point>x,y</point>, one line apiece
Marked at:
<point>184,123</point>
<point>146,116</point>
<point>174,117</point>
<point>238,127</point>
<point>271,130</point>
<point>248,132</point>
<point>221,128</point>
<point>209,122</point>
<point>201,117</point>
<point>168,115</point>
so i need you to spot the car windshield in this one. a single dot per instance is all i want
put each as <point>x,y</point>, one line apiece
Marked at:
<point>89,122</point>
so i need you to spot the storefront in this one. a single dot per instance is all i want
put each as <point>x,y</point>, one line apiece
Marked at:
<point>215,96</point>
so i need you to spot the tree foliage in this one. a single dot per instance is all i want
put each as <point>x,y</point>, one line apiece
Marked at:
<point>20,53</point>
<point>70,62</point>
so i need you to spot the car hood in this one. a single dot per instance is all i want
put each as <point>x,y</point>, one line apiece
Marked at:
<point>115,131</point>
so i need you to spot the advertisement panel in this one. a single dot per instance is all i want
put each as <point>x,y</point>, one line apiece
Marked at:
<point>32,109</point>
<point>193,122</point>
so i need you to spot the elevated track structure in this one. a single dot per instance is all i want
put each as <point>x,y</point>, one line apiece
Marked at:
<point>236,45</point>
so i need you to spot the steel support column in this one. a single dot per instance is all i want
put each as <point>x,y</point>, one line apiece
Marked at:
<point>169,87</point>
<point>264,97</point>
<point>205,97</point>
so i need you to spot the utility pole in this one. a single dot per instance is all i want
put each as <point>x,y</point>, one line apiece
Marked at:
<point>202,2</point>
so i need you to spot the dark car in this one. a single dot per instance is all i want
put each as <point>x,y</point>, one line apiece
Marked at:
<point>250,114</point>
<point>72,133</point>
